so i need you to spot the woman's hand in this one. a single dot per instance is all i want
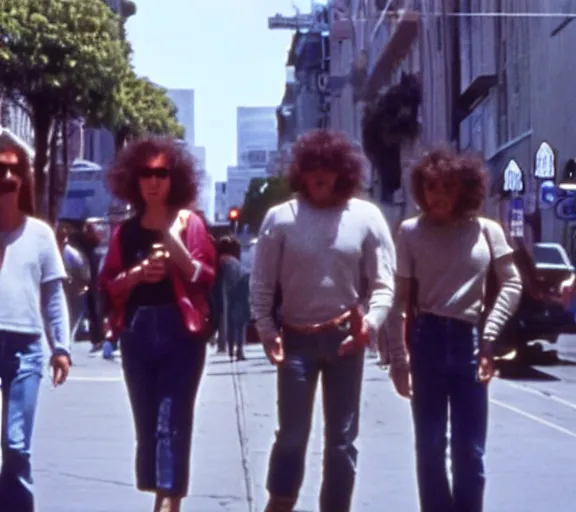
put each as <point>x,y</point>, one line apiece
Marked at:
<point>152,270</point>
<point>60,364</point>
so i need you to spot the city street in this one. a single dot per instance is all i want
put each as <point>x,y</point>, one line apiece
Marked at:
<point>83,450</point>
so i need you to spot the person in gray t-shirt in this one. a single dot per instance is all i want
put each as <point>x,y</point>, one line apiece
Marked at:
<point>33,305</point>
<point>330,258</point>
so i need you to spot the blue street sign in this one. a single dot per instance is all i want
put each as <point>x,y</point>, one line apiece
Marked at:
<point>548,194</point>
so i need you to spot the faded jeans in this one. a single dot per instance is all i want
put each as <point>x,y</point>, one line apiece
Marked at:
<point>307,357</point>
<point>444,362</point>
<point>163,364</point>
<point>21,364</point>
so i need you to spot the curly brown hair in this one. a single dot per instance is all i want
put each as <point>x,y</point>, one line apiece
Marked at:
<point>445,164</point>
<point>122,177</point>
<point>23,169</point>
<point>325,149</point>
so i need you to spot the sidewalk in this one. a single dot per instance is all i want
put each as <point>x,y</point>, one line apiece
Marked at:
<point>83,448</point>
<point>386,469</point>
<point>83,451</point>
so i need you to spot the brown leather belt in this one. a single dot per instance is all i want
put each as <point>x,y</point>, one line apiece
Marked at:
<point>324,326</point>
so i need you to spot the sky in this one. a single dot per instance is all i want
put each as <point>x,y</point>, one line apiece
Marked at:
<point>221,49</point>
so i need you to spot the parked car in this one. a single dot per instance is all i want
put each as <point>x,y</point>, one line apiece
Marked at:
<point>545,312</point>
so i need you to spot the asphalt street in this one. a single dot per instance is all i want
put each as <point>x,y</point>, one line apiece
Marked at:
<point>83,445</point>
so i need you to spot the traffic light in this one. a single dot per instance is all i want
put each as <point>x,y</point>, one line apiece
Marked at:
<point>233,214</point>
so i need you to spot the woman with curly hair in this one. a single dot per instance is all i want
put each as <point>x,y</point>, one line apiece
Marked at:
<point>446,257</point>
<point>156,279</point>
<point>330,254</point>
<point>32,279</point>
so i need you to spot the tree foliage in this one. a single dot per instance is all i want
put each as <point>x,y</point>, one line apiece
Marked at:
<point>60,58</point>
<point>138,107</point>
<point>262,194</point>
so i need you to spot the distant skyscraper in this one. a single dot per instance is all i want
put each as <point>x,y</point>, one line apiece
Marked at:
<point>220,201</point>
<point>184,101</point>
<point>205,200</point>
<point>238,181</point>
<point>114,4</point>
<point>257,141</point>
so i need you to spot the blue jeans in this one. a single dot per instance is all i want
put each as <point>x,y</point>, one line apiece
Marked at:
<point>307,356</point>
<point>163,364</point>
<point>236,334</point>
<point>21,362</point>
<point>444,362</point>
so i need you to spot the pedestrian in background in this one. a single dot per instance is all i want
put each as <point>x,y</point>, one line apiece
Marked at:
<point>77,281</point>
<point>33,304</point>
<point>327,253</point>
<point>91,239</point>
<point>446,257</point>
<point>234,280</point>
<point>156,278</point>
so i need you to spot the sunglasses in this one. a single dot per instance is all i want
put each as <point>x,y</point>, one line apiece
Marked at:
<point>154,172</point>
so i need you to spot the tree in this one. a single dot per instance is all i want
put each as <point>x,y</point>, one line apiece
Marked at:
<point>139,107</point>
<point>60,59</point>
<point>263,193</point>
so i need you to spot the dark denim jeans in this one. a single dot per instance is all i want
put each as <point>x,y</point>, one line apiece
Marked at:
<point>21,363</point>
<point>236,334</point>
<point>307,356</point>
<point>163,364</point>
<point>444,359</point>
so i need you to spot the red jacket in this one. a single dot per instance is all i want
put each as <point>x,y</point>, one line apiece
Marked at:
<point>192,298</point>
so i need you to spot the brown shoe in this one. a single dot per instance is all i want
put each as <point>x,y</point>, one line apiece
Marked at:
<point>167,504</point>
<point>280,504</point>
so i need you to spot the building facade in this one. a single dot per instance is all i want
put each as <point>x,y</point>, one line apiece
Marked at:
<point>238,181</point>
<point>499,85</point>
<point>183,99</point>
<point>220,201</point>
<point>306,104</point>
<point>256,136</point>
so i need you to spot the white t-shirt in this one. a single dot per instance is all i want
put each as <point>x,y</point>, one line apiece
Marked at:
<point>31,258</point>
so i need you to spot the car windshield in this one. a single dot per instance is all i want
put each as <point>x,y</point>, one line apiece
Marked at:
<point>549,255</point>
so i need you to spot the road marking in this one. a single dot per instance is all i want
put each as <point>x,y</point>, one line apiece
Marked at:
<point>542,394</point>
<point>532,417</point>
<point>95,379</point>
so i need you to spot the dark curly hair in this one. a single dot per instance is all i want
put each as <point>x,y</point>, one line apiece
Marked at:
<point>122,176</point>
<point>23,169</point>
<point>446,165</point>
<point>325,149</point>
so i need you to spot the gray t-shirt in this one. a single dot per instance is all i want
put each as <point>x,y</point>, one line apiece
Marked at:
<point>31,258</point>
<point>320,257</point>
<point>450,263</point>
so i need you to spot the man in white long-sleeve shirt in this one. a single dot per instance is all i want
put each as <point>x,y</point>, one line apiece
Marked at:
<point>328,253</point>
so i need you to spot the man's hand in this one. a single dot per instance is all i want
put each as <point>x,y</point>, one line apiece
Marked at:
<point>60,369</point>
<point>400,376</point>
<point>274,350</point>
<point>354,343</point>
